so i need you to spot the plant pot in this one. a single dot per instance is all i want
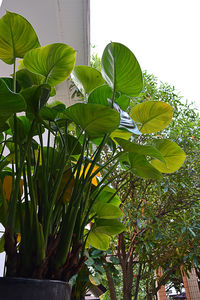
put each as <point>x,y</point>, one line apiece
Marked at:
<point>33,289</point>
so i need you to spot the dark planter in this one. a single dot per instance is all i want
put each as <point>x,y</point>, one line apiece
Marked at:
<point>33,289</point>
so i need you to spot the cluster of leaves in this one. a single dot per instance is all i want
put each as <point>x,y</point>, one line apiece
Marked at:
<point>55,189</point>
<point>162,216</point>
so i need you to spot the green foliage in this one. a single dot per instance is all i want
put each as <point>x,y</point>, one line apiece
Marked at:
<point>53,192</point>
<point>152,116</point>
<point>87,78</point>
<point>121,70</point>
<point>162,217</point>
<point>54,62</point>
<point>17,37</point>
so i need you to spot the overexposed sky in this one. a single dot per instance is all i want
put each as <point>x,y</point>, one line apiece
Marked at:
<point>164,35</point>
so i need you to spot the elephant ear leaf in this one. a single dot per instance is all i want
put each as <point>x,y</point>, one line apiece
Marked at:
<point>9,103</point>
<point>54,62</point>
<point>17,37</point>
<point>174,156</point>
<point>99,240</point>
<point>87,78</point>
<point>95,119</point>
<point>142,168</point>
<point>121,70</point>
<point>152,116</point>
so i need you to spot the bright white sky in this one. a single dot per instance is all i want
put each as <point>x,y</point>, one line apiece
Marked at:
<point>164,35</point>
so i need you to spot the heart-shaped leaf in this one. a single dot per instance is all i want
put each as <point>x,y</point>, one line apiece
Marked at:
<point>101,95</point>
<point>109,226</point>
<point>95,119</point>
<point>121,70</point>
<point>17,37</point>
<point>108,195</point>
<point>173,155</point>
<point>36,97</point>
<point>9,103</point>
<point>55,62</point>
<point>142,168</point>
<point>98,240</point>
<point>87,78</point>
<point>123,101</point>
<point>153,116</point>
<point>146,150</point>
<point>27,79</point>
<point>120,133</point>
<point>107,211</point>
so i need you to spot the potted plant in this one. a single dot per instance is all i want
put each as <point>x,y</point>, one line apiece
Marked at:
<point>56,188</point>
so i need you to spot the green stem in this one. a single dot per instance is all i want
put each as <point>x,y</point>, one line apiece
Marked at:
<point>14,76</point>
<point>13,200</point>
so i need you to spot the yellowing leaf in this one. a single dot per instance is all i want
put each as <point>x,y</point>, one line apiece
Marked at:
<point>18,238</point>
<point>7,186</point>
<point>94,179</point>
<point>173,155</point>
<point>94,280</point>
<point>98,240</point>
<point>153,116</point>
<point>67,184</point>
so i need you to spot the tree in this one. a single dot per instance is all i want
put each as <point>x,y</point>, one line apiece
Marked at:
<point>162,215</point>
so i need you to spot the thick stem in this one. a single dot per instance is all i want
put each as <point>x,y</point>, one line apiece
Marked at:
<point>126,263</point>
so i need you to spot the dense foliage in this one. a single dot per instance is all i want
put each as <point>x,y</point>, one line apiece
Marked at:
<point>162,216</point>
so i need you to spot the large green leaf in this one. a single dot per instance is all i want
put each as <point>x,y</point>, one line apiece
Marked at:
<point>95,119</point>
<point>120,133</point>
<point>121,70</point>
<point>17,37</point>
<point>101,95</point>
<point>173,154</point>
<point>108,195</point>
<point>98,240</point>
<point>142,168</point>
<point>146,150</point>
<point>109,226</point>
<point>107,211</point>
<point>55,62</point>
<point>36,97</point>
<point>123,101</point>
<point>9,103</point>
<point>153,116</point>
<point>26,78</point>
<point>87,78</point>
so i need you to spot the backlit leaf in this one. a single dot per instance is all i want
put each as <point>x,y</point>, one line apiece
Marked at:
<point>98,240</point>
<point>17,37</point>
<point>95,119</point>
<point>55,62</point>
<point>87,78</point>
<point>173,155</point>
<point>121,70</point>
<point>152,116</point>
